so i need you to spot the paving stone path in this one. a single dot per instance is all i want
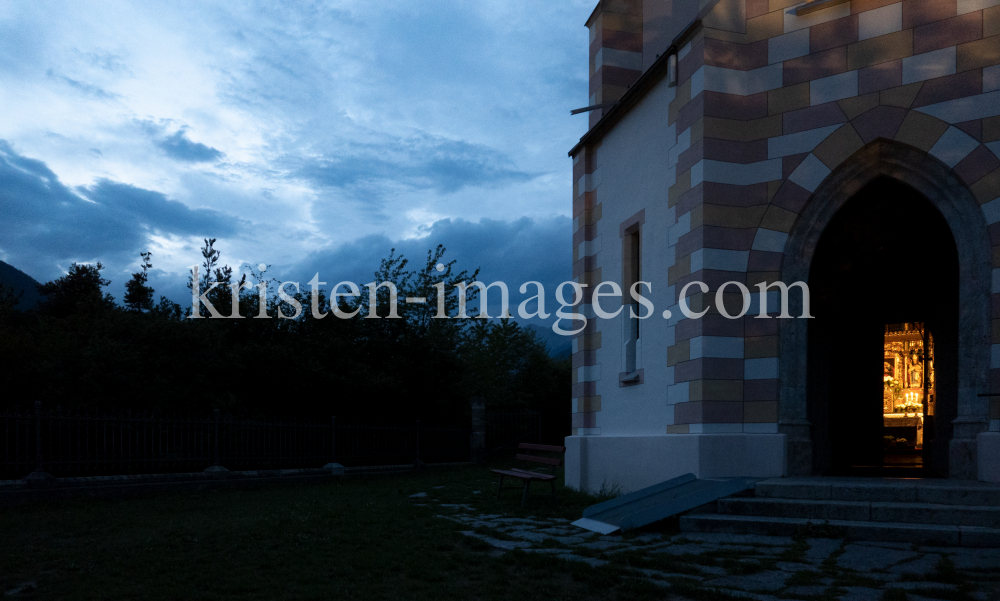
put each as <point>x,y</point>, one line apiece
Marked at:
<point>751,566</point>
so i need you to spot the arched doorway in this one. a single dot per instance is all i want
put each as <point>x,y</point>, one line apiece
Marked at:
<point>884,285</point>
<point>927,181</point>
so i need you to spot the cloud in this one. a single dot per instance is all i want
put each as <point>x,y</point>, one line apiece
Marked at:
<point>419,162</point>
<point>107,61</point>
<point>513,252</point>
<point>318,123</point>
<point>84,88</point>
<point>179,147</point>
<point>158,214</point>
<point>47,224</point>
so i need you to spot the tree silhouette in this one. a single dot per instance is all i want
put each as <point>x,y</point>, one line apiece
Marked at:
<point>77,292</point>
<point>211,273</point>
<point>139,296</point>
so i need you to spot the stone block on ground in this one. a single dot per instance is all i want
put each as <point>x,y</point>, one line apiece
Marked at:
<point>737,539</point>
<point>821,548</point>
<point>805,591</point>
<point>688,549</point>
<point>529,535</point>
<point>664,575</point>
<point>500,544</point>
<point>865,559</point>
<point>924,565</point>
<point>712,570</point>
<point>882,576</point>
<point>916,587</point>
<point>569,540</point>
<point>885,544</point>
<point>861,593</point>
<point>503,520</point>
<point>988,560</point>
<point>756,596</point>
<point>558,531</point>
<point>596,563</point>
<point>761,581</point>
<point>600,545</point>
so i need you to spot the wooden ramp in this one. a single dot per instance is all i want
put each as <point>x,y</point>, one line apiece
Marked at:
<point>659,501</point>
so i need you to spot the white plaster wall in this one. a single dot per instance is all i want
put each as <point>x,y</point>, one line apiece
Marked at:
<point>634,462</point>
<point>635,176</point>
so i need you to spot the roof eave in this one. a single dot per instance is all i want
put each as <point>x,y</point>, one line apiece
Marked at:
<point>635,93</point>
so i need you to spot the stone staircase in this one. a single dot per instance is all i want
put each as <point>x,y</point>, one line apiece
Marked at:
<point>924,511</point>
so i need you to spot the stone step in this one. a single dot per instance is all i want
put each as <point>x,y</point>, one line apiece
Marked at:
<point>889,490</point>
<point>924,534</point>
<point>864,511</point>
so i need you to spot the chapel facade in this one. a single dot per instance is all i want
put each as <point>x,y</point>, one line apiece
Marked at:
<point>852,145</point>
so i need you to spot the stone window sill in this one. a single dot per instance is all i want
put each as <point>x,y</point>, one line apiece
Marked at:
<point>630,379</point>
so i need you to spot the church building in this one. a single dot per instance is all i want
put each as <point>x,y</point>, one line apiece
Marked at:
<point>851,145</point>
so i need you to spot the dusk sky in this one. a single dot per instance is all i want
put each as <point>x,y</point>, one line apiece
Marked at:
<point>310,136</point>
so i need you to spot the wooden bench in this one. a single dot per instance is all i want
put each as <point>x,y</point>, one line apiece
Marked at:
<point>530,476</point>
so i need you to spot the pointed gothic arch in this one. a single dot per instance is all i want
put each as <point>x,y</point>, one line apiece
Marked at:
<point>935,181</point>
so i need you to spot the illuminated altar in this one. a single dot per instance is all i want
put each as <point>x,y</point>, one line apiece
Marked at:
<point>908,379</point>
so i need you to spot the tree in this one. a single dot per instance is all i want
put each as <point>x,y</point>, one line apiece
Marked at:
<point>221,295</point>
<point>498,357</point>
<point>150,357</point>
<point>427,284</point>
<point>424,284</point>
<point>167,309</point>
<point>9,299</point>
<point>77,292</point>
<point>250,298</point>
<point>139,296</point>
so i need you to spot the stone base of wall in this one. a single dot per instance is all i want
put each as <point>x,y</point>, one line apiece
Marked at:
<point>634,462</point>
<point>988,452</point>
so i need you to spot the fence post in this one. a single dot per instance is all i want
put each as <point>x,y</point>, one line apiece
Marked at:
<point>477,439</point>
<point>335,468</point>
<point>216,464</point>
<point>417,463</point>
<point>39,477</point>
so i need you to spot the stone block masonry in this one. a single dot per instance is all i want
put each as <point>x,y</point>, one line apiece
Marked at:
<point>766,107</point>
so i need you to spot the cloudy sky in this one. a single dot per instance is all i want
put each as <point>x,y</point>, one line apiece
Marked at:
<point>309,136</point>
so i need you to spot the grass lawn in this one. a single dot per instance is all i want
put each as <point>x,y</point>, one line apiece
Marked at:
<point>357,537</point>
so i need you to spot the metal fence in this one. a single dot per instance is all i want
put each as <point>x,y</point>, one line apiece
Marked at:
<point>370,443</point>
<point>84,444</point>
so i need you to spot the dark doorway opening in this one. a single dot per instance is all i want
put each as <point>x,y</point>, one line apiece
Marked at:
<point>887,261</point>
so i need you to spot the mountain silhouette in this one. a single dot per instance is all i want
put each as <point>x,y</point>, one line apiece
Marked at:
<point>21,282</point>
<point>558,347</point>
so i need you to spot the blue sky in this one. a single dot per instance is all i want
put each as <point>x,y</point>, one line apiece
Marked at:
<point>309,136</point>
